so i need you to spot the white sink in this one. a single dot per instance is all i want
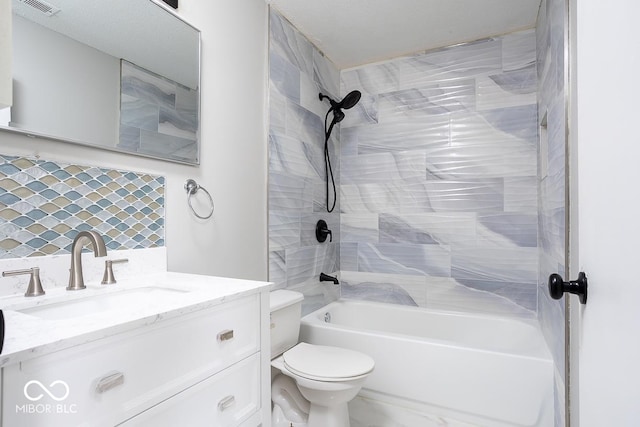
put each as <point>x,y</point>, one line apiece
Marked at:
<point>98,304</point>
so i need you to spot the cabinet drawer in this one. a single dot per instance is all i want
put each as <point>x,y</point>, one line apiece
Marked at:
<point>110,380</point>
<point>225,399</point>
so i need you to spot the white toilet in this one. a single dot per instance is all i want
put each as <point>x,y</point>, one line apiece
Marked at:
<point>316,382</point>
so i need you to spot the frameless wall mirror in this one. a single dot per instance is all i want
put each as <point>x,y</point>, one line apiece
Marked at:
<point>122,75</point>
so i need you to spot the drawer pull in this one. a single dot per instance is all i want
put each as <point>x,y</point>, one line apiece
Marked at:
<point>110,381</point>
<point>226,403</point>
<point>225,335</point>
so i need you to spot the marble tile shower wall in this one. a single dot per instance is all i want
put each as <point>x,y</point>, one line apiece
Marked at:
<point>44,204</point>
<point>438,179</point>
<point>550,35</point>
<point>297,73</point>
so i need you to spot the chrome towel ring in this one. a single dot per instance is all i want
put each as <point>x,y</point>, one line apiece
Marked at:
<point>192,188</point>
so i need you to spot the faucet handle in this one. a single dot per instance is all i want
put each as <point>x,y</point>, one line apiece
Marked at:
<point>35,286</point>
<point>108,278</point>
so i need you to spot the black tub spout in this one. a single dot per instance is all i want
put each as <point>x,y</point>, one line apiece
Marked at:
<point>327,278</point>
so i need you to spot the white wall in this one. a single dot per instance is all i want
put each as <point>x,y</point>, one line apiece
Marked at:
<point>606,91</point>
<point>233,155</point>
<point>59,98</point>
<point>5,53</point>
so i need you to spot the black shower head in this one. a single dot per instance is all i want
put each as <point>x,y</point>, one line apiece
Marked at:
<point>350,100</point>
<point>347,102</point>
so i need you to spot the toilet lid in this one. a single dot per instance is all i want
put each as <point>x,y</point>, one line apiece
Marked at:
<point>326,363</point>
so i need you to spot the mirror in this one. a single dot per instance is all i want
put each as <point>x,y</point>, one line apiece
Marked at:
<point>122,75</point>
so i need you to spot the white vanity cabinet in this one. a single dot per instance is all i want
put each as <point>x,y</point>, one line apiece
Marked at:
<point>201,368</point>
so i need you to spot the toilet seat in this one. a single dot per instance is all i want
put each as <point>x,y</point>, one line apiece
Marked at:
<point>325,363</point>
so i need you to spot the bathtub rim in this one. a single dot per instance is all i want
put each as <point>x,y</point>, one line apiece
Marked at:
<point>316,318</point>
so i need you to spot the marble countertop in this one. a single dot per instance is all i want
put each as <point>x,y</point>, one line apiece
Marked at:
<point>134,302</point>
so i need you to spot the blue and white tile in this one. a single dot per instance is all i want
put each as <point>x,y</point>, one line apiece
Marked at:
<point>316,294</point>
<point>304,125</point>
<point>277,110</point>
<point>309,99</point>
<point>519,228</point>
<point>383,167</point>
<point>306,263</point>
<point>320,191</point>
<point>278,269</point>
<point>521,194</point>
<point>552,192</point>
<point>325,74</point>
<point>480,58</point>
<point>499,263</point>
<point>556,135</point>
<point>290,156</point>
<point>430,132</point>
<point>289,193</point>
<point>129,138</point>
<point>517,124</point>
<point>364,112</point>
<point>448,294</point>
<point>427,100</point>
<point>289,43</point>
<point>464,196</point>
<point>181,124</point>
<point>377,197</point>
<point>359,228</point>
<point>144,85</point>
<point>284,77</point>
<point>428,228</point>
<point>406,259</point>
<point>389,288</point>
<point>284,230</point>
<point>138,113</point>
<point>348,257</point>
<point>371,79</point>
<point>187,99</point>
<point>518,50</point>
<point>509,89</point>
<point>468,158</point>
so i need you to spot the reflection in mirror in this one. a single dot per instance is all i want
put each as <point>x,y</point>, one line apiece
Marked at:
<point>122,75</point>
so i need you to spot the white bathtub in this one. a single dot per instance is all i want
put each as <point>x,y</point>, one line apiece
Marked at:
<point>486,370</point>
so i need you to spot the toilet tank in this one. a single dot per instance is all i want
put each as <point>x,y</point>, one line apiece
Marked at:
<point>285,307</point>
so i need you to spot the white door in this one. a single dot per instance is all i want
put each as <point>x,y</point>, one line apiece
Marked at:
<point>605,206</point>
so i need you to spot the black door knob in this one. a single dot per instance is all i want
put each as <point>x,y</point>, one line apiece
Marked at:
<point>557,287</point>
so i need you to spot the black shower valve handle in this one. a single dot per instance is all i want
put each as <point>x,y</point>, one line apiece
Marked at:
<point>322,231</point>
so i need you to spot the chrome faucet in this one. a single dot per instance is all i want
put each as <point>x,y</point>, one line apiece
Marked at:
<point>76,281</point>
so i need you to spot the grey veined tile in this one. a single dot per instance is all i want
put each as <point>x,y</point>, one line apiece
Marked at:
<point>284,77</point>
<point>290,44</point>
<point>480,58</point>
<point>371,79</point>
<point>427,100</point>
<point>404,259</point>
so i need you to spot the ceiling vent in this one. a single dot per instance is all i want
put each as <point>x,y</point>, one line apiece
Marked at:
<point>44,7</point>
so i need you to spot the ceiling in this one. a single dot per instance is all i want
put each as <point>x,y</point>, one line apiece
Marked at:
<point>355,32</point>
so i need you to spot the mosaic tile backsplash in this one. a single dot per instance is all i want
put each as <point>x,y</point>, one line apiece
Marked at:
<point>44,204</point>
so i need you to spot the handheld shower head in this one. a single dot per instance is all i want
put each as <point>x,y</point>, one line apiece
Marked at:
<point>350,100</point>
<point>347,102</point>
